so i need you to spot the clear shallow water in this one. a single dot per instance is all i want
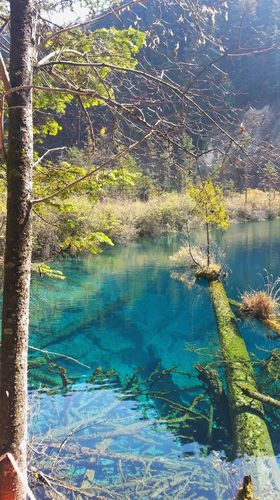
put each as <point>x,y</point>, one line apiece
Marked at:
<point>141,333</point>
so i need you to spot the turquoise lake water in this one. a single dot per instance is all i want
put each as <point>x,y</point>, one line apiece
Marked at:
<point>141,333</point>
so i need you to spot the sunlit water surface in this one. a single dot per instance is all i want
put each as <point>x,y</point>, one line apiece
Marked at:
<point>141,334</point>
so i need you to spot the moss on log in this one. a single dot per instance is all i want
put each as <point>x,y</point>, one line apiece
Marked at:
<point>46,379</point>
<point>37,362</point>
<point>250,432</point>
<point>235,303</point>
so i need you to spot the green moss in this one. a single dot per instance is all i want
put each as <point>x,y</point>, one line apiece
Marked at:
<point>47,380</point>
<point>251,435</point>
<point>36,362</point>
<point>235,303</point>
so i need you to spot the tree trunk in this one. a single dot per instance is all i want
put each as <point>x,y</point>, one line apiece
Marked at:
<point>14,344</point>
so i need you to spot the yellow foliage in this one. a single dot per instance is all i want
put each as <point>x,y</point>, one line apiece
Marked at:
<point>209,203</point>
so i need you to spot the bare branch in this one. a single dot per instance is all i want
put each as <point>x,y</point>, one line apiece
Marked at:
<point>93,19</point>
<point>58,354</point>
<point>47,152</point>
<point>90,128</point>
<point>4,75</point>
<point>2,146</point>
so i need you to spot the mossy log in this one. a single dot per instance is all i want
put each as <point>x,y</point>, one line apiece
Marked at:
<point>250,432</point>
<point>235,303</point>
<point>273,324</point>
<point>37,362</point>
<point>38,376</point>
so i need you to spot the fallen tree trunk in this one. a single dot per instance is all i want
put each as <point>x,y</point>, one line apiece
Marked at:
<point>273,324</point>
<point>250,432</point>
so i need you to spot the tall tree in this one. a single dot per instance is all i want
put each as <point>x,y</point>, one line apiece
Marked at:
<point>17,260</point>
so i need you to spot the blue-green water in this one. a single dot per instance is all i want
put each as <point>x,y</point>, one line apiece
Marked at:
<point>141,334</point>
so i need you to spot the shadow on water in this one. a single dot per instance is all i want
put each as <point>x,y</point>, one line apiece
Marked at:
<point>141,407</point>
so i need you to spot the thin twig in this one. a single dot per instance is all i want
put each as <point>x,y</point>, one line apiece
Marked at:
<point>47,152</point>
<point>59,355</point>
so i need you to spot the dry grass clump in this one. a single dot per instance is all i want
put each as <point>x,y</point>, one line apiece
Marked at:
<point>263,304</point>
<point>260,304</point>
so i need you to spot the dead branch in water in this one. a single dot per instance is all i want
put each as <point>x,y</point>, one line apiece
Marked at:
<point>259,396</point>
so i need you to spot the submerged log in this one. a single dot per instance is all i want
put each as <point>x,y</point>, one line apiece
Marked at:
<point>38,376</point>
<point>219,409</point>
<point>37,362</point>
<point>250,432</point>
<point>211,378</point>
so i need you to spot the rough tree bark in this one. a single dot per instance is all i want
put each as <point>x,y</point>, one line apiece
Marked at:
<point>13,371</point>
